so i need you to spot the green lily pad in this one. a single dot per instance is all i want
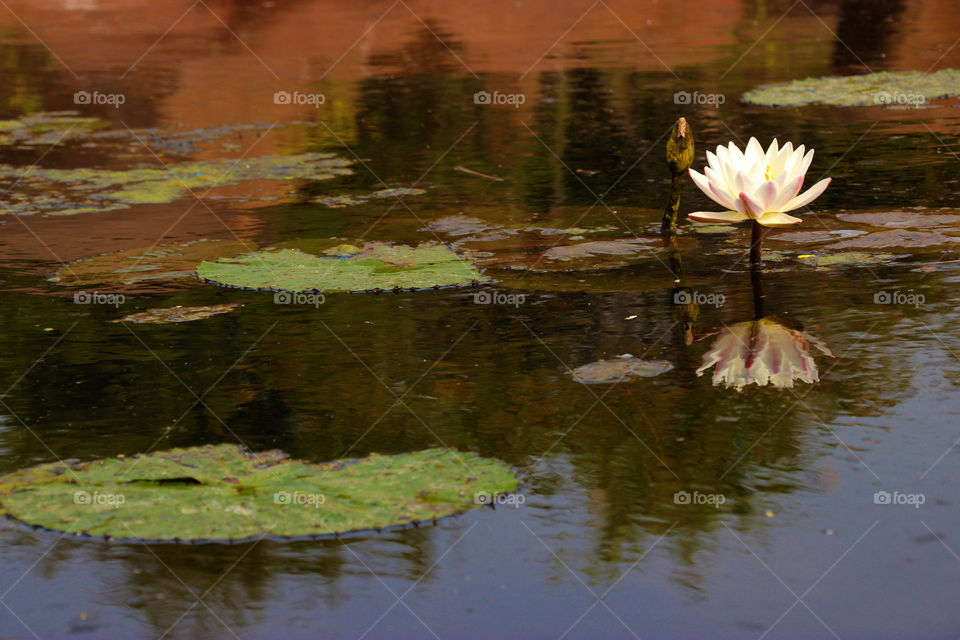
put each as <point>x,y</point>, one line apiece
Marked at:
<point>887,88</point>
<point>223,493</point>
<point>162,262</point>
<point>178,314</point>
<point>620,369</point>
<point>375,267</point>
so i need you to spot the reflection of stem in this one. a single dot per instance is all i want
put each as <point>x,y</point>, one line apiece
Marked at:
<point>676,261</point>
<point>669,224</point>
<point>757,293</point>
<point>756,237</point>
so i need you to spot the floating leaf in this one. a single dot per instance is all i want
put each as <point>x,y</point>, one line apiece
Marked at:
<point>803,237</point>
<point>600,248</point>
<point>162,262</point>
<point>843,259</point>
<point>73,191</point>
<point>903,219</point>
<point>622,368</point>
<point>884,88</point>
<point>178,314</point>
<point>376,267</point>
<point>224,493</point>
<point>896,238</point>
<point>336,202</point>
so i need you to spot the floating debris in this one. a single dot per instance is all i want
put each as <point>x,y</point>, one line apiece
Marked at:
<point>621,368</point>
<point>176,314</point>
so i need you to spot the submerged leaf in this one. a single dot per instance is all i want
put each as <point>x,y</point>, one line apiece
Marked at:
<point>376,267</point>
<point>162,262</point>
<point>622,368</point>
<point>178,314</point>
<point>223,493</point>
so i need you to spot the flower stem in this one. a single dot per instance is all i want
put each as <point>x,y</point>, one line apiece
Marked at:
<point>756,237</point>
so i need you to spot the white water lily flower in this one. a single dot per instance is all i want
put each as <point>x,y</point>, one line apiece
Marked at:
<point>755,184</point>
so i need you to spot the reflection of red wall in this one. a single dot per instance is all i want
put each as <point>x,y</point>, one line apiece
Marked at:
<point>211,77</point>
<point>216,79</point>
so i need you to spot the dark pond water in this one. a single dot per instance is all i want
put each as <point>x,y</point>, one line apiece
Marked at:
<point>601,547</point>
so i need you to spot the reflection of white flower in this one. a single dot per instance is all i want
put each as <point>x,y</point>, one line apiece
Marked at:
<point>754,184</point>
<point>763,352</point>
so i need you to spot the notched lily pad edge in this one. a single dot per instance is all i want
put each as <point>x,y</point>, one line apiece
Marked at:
<point>317,537</point>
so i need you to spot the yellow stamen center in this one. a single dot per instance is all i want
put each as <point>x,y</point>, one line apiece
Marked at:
<point>767,174</point>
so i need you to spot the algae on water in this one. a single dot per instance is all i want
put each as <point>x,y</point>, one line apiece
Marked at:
<point>886,88</point>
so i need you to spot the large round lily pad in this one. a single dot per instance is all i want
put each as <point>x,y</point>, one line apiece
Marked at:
<point>374,267</point>
<point>888,88</point>
<point>224,493</point>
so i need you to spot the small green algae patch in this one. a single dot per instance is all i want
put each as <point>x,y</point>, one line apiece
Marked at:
<point>224,493</point>
<point>161,262</point>
<point>47,128</point>
<point>337,202</point>
<point>886,88</point>
<point>375,267</point>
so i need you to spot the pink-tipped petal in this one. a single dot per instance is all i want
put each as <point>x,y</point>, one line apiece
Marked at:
<point>807,159</point>
<point>723,198</point>
<point>751,205</point>
<point>777,219</point>
<point>767,195</point>
<point>705,185</point>
<point>808,196</point>
<point>788,192</point>
<point>717,216</point>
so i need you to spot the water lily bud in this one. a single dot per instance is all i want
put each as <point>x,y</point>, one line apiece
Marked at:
<point>680,150</point>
